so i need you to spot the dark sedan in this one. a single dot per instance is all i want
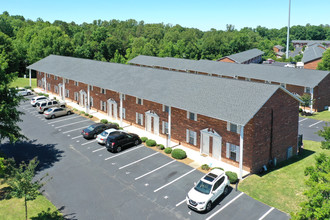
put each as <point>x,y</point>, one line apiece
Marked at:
<point>93,130</point>
<point>119,140</point>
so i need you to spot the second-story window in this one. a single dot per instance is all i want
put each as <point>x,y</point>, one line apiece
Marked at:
<point>192,116</point>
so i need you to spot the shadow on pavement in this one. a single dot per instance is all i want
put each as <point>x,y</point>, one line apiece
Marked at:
<point>46,154</point>
<point>54,215</point>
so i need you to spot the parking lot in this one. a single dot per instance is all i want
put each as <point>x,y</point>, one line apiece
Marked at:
<point>91,183</point>
<point>308,127</point>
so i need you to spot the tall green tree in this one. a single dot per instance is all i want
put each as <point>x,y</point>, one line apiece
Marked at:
<point>325,62</point>
<point>9,115</point>
<point>325,133</point>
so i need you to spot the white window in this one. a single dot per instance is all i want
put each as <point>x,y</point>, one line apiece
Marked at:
<point>139,101</point>
<point>56,89</point>
<point>47,75</point>
<point>103,106</point>
<point>91,88</point>
<point>235,77</point>
<point>268,82</point>
<point>307,90</point>
<point>191,137</point>
<point>233,127</point>
<point>67,93</point>
<point>48,86</point>
<point>192,116</point>
<point>124,113</point>
<point>123,96</point>
<point>166,108</point>
<point>283,85</point>
<point>232,151</point>
<point>91,101</point>
<point>102,91</point>
<point>39,73</point>
<point>139,119</point>
<point>76,83</point>
<point>165,127</point>
<point>67,81</point>
<point>39,82</point>
<point>76,96</point>
<point>56,77</point>
<point>247,79</point>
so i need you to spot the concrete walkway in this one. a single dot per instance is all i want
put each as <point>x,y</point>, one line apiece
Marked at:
<point>196,156</point>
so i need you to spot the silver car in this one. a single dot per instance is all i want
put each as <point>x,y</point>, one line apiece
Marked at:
<point>56,112</point>
<point>37,99</point>
<point>47,104</point>
<point>102,138</point>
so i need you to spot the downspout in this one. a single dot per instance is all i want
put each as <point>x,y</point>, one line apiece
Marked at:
<point>88,100</point>
<point>121,109</point>
<point>241,144</point>
<point>63,90</point>
<point>312,97</point>
<point>169,127</point>
<point>30,77</point>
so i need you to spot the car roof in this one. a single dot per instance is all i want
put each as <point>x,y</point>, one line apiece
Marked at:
<point>111,130</point>
<point>213,175</point>
<point>38,97</point>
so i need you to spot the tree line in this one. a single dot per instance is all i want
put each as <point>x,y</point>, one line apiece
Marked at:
<point>23,41</point>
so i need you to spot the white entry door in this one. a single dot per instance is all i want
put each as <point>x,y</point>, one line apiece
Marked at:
<point>205,149</point>
<point>112,108</point>
<point>216,148</point>
<point>152,122</point>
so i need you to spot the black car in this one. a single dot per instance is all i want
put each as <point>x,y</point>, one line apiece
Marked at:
<point>119,140</point>
<point>93,130</point>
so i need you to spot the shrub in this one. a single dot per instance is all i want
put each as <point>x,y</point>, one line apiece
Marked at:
<point>168,150</point>
<point>74,109</point>
<point>232,176</point>
<point>104,121</point>
<point>217,168</point>
<point>114,123</point>
<point>120,128</point>
<point>27,87</point>
<point>82,112</point>
<point>160,147</point>
<point>300,110</point>
<point>90,116</point>
<point>86,114</point>
<point>179,154</point>
<point>151,143</point>
<point>205,167</point>
<point>144,139</point>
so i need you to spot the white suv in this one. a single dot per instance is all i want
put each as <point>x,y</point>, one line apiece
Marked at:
<point>207,190</point>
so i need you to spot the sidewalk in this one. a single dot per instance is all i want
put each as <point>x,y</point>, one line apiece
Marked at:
<point>191,154</point>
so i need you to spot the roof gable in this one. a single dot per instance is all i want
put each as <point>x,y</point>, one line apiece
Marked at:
<point>245,55</point>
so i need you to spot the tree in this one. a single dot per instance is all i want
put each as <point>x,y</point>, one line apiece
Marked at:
<point>317,205</point>
<point>9,115</point>
<point>306,100</point>
<point>21,184</point>
<point>325,133</point>
<point>325,63</point>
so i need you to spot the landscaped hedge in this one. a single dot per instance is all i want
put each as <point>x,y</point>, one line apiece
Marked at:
<point>104,121</point>
<point>90,116</point>
<point>160,147</point>
<point>81,112</point>
<point>217,168</point>
<point>151,143</point>
<point>86,114</point>
<point>168,150</point>
<point>205,167</point>
<point>232,176</point>
<point>144,139</point>
<point>179,154</point>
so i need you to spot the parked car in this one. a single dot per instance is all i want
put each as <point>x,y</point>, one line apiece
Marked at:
<point>207,190</point>
<point>56,112</point>
<point>93,130</point>
<point>102,138</point>
<point>119,140</point>
<point>23,91</point>
<point>36,99</point>
<point>44,105</point>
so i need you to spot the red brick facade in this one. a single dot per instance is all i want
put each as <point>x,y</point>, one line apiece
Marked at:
<point>312,65</point>
<point>226,60</point>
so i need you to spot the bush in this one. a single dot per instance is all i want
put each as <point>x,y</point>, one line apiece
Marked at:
<point>90,116</point>
<point>179,154</point>
<point>114,123</point>
<point>120,128</point>
<point>232,176</point>
<point>104,121</point>
<point>300,110</point>
<point>160,147</point>
<point>168,150</point>
<point>27,87</point>
<point>151,143</point>
<point>86,114</point>
<point>205,167</point>
<point>82,112</point>
<point>217,168</point>
<point>74,109</point>
<point>144,139</point>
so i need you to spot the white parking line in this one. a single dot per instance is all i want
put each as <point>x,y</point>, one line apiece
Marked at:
<point>77,137</point>
<point>123,153</point>
<point>262,217</point>
<point>315,123</point>
<point>71,124</point>
<point>89,142</point>
<point>180,203</point>
<point>154,170</point>
<point>98,149</point>
<point>138,160</point>
<point>174,180</point>
<point>74,130</point>
<point>303,120</point>
<point>211,216</point>
<point>63,120</point>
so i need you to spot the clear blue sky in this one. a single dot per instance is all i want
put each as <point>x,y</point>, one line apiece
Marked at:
<point>201,14</point>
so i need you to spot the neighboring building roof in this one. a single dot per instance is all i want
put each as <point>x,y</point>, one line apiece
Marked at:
<point>279,47</point>
<point>244,56</point>
<point>230,100</point>
<point>312,53</point>
<point>280,53</point>
<point>293,76</point>
<point>296,52</point>
<point>281,64</point>
<point>310,41</point>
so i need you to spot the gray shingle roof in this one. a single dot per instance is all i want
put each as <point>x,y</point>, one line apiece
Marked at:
<point>245,55</point>
<point>311,41</point>
<point>293,76</point>
<point>279,47</point>
<point>312,53</point>
<point>225,99</point>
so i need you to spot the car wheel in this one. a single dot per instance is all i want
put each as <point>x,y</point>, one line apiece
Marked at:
<point>208,206</point>
<point>53,116</point>
<point>118,149</point>
<point>68,113</point>
<point>137,142</point>
<point>226,190</point>
<point>95,135</point>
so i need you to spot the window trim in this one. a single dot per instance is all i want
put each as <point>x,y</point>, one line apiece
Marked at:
<point>137,101</point>
<point>188,116</point>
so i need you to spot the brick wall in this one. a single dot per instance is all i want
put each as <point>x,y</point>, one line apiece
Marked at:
<point>312,65</point>
<point>226,60</point>
<point>295,89</point>
<point>322,94</point>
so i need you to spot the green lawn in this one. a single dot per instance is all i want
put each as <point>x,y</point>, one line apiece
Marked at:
<point>13,209</point>
<point>324,116</point>
<point>21,82</point>
<point>284,187</point>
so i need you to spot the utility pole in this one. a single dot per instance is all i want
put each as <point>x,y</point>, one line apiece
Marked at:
<point>288,37</point>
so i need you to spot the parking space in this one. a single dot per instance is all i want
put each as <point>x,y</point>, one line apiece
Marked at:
<point>156,182</point>
<point>308,128</point>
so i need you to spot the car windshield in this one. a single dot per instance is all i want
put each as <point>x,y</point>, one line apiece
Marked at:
<point>49,110</point>
<point>203,187</point>
<point>104,133</point>
<point>90,128</point>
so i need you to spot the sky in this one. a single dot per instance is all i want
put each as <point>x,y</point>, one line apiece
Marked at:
<point>201,14</point>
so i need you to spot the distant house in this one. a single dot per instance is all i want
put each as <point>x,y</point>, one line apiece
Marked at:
<point>301,43</point>
<point>278,48</point>
<point>313,55</point>
<point>245,57</point>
